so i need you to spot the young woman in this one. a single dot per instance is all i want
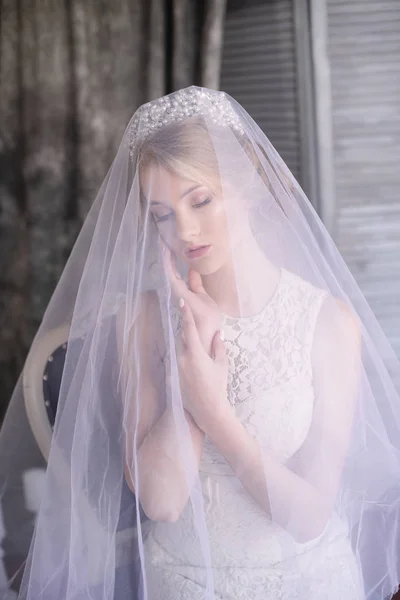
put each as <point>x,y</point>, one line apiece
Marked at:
<point>228,372</point>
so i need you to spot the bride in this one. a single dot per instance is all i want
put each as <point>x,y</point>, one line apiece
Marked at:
<point>223,366</point>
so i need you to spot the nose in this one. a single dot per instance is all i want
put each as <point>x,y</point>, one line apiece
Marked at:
<point>187,226</point>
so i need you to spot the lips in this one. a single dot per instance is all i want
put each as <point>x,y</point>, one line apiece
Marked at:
<point>197,251</point>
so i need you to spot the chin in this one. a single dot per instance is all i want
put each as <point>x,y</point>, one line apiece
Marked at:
<point>205,267</point>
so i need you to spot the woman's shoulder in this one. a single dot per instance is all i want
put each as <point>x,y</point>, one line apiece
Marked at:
<point>333,324</point>
<point>332,316</point>
<point>337,324</point>
<point>307,296</point>
<point>331,306</point>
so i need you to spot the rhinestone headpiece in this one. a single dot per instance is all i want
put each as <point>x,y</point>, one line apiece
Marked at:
<point>189,102</point>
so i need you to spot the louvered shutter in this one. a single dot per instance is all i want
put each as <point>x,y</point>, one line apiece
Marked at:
<point>364,55</point>
<point>259,70</point>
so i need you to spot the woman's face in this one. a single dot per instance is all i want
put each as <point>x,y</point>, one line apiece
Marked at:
<point>192,218</point>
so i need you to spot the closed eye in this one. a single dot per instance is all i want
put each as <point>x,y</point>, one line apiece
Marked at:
<point>200,204</point>
<point>167,216</point>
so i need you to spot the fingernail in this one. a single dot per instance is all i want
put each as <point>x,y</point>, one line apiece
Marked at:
<point>181,302</point>
<point>222,335</point>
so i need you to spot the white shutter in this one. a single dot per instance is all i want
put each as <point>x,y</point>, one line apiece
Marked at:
<point>259,70</point>
<point>364,55</point>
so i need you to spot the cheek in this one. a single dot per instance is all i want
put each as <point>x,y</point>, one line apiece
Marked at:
<point>228,220</point>
<point>215,221</point>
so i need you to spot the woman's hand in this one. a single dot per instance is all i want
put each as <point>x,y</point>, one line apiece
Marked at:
<point>203,378</point>
<point>206,313</point>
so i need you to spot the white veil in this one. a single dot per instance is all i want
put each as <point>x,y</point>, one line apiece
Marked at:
<point>148,493</point>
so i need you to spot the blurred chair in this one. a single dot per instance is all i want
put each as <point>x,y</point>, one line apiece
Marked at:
<point>41,383</point>
<point>42,377</point>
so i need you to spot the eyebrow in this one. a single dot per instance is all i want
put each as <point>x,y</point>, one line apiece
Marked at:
<point>185,193</point>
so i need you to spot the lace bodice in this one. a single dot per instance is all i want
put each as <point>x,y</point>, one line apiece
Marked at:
<point>270,374</point>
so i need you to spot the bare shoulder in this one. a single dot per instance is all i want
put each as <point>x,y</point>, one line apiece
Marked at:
<point>338,316</point>
<point>337,331</point>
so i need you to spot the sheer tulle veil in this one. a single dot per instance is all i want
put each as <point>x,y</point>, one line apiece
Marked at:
<point>199,213</point>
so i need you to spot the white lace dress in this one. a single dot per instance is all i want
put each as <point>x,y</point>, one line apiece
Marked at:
<point>270,388</point>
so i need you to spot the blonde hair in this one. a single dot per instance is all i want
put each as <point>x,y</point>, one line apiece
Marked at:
<point>184,149</point>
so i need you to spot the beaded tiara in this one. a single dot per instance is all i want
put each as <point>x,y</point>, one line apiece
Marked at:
<point>188,102</point>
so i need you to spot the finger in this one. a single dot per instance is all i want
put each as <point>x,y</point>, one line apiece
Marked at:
<point>178,285</point>
<point>218,350</point>
<point>195,282</point>
<point>189,329</point>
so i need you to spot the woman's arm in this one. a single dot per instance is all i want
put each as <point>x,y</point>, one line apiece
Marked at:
<point>154,467</point>
<point>164,479</point>
<point>300,495</point>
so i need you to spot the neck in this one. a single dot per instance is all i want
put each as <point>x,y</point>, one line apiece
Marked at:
<point>243,286</point>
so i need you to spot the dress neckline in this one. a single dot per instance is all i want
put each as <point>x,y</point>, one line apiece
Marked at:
<point>228,320</point>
